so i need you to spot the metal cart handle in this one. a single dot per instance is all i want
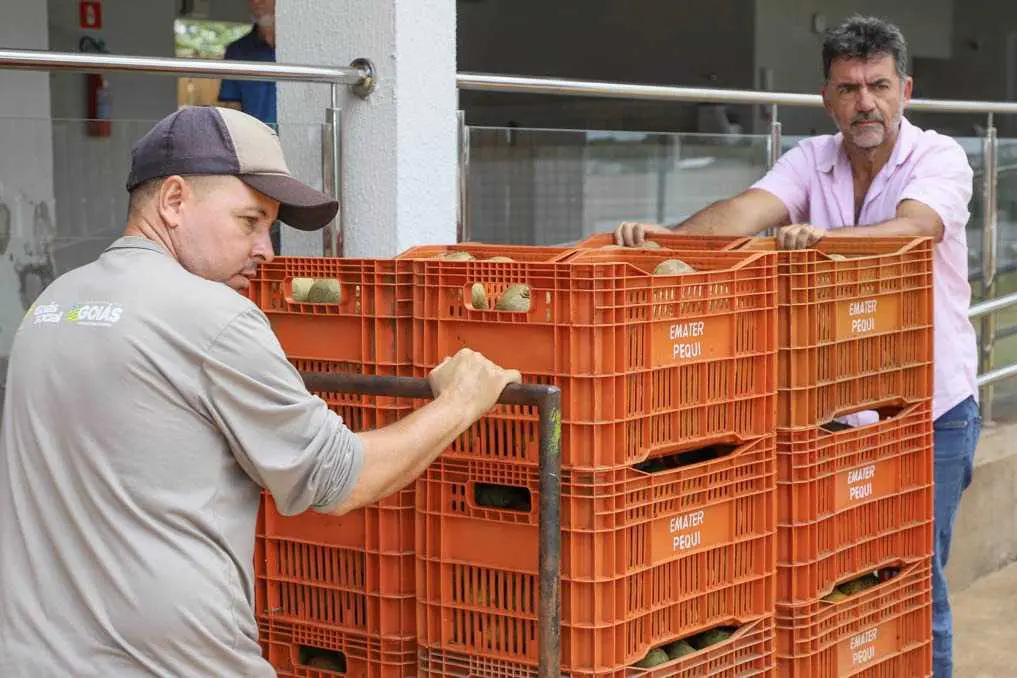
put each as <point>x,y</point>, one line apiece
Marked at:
<point>547,400</point>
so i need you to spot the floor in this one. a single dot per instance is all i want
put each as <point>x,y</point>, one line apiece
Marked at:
<point>985,627</point>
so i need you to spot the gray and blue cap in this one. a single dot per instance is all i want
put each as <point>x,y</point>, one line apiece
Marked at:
<point>207,140</point>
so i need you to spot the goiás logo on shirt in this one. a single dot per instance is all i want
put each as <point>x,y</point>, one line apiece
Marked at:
<point>95,314</point>
<point>44,314</point>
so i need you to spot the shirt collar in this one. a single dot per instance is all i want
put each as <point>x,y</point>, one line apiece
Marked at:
<point>136,242</point>
<point>833,150</point>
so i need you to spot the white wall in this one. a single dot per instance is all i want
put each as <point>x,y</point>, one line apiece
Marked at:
<point>786,44</point>
<point>90,172</point>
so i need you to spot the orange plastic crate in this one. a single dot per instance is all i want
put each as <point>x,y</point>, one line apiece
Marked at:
<point>884,632</point>
<point>646,557</point>
<point>371,326</point>
<point>482,251</point>
<point>646,363</point>
<point>288,647</point>
<point>854,334</point>
<point>852,501</point>
<point>749,652</point>
<point>353,572</point>
<point>674,241</point>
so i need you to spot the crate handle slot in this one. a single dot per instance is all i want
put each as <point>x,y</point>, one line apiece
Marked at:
<point>511,297</point>
<point>332,661</point>
<point>303,290</point>
<point>670,462</point>
<point>864,418</point>
<point>502,497</point>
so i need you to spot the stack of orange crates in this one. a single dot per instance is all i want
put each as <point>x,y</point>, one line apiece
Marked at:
<point>668,463</point>
<point>855,336</point>
<point>335,595</point>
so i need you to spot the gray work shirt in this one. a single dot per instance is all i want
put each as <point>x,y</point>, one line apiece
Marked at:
<point>145,406</point>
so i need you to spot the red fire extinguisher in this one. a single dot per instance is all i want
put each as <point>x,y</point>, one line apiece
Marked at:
<point>97,93</point>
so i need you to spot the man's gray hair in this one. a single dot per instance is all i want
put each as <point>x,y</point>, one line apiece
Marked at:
<point>864,37</point>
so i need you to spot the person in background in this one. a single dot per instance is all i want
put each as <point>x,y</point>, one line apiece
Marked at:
<point>880,176</point>
<point>255,97</point>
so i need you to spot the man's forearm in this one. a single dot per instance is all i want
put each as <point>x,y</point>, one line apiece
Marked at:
<point>395,455</point>
<point>714,219</point>
<point>896,227</point>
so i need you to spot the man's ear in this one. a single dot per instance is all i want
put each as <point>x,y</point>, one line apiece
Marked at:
<point>909,84</point>
<point>173,193</point>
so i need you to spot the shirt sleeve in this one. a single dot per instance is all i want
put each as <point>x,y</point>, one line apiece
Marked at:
<point>943,180</point>
<point>229,90</point>
<point>285,438</point>
<point>788,181</point>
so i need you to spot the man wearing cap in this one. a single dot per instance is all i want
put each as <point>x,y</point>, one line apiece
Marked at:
<point>148,405</point>
<point>880,176</point>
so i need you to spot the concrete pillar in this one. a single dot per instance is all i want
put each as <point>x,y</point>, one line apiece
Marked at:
<point>399,155</point>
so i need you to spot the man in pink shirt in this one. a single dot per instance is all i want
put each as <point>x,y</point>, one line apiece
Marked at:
<point>879,176</point>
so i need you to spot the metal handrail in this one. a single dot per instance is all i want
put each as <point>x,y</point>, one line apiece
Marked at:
<point>40,60</point>
<point>547,400</point>
<point>483,82</point>
<point>991,306</point>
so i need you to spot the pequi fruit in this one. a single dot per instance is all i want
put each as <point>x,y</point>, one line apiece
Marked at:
<point>711,637</point>
<point>516,298</point>
<point>478,295</point>
<point>835,596</point>
<point>679,648</point>
<point>650,245</point>
<point>858,585</point>
<point>301,286</point>
<point>672,267</point>
<point>325,662</point>
<point>501,259</point>
<point>325,291</point>
<point>455,256</point>
<point>837,257</point>
<point>653,658</point>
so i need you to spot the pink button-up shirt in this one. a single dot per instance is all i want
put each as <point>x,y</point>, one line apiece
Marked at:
<point>814,181</point>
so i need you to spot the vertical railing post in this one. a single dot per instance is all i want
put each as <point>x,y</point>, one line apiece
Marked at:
<point>774,148</point>
<point>463,170</point>
<point>334,234</point>
<point>989,246</point>
<point>775,137</point>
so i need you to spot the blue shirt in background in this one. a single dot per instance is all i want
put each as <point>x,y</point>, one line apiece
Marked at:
<point>256,97</point>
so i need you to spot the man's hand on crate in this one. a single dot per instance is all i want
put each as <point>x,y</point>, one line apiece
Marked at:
<point>799,236</point>
<point>471,380</point>
<point>465,387</point>
<point>633,234</point>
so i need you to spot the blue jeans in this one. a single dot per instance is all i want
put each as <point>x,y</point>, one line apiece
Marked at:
<point>956,436</point>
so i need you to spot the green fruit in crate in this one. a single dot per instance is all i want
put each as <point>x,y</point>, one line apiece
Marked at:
<point>650,245</point>
<point>679,648</point>
<point>516,298</point>
<point>837,257</point>
<point>858,585</point>
<point>835,596</point>
<point>325,662</point>
<point>478,295</point>
<point>654,658</point>
<point>301,287</point>
<point>325,291</point>
<point>501,259</point>
<point>711,637</point>
<point>672,267</point>
<point>455,256</point>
